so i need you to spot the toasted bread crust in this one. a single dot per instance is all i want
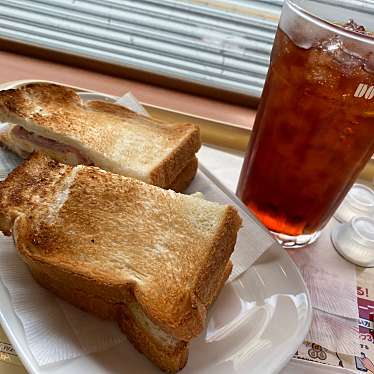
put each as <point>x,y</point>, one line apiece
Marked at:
<point>166,172</point>
<point>168,358</point>
<point>179,184</point>
<point>224,243</point>
<point>155,152</point>
<point>178,304</point>
<point>27,187</point>
<point>184,178</point>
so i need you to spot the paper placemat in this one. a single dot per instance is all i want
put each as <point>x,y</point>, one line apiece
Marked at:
<point>364,362</point>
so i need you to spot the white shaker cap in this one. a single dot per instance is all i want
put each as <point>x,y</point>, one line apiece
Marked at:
<point>359,202</point>
<point>355,241</point>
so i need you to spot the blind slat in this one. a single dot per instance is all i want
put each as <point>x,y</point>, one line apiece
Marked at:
<point>188,40</point>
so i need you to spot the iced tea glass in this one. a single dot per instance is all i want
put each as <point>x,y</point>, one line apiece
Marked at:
<point>314,130</point>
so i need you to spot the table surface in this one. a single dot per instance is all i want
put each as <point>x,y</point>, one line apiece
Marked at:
<point>16,67</point>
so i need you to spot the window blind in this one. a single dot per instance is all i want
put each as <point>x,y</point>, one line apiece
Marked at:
<point>218,43</point>
<point>224,44</point>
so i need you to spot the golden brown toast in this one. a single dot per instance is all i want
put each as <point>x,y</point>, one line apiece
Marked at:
<point>179,184</point>
<point>184,178</point>
<point>119,240</point>
<point>52,118</point>
<point>165,351</point>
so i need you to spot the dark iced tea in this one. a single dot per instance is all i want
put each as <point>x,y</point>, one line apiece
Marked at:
<point>313,133</point>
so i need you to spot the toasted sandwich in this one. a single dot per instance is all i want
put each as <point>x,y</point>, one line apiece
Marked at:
<point>53,119</point>
<point>149,258</point>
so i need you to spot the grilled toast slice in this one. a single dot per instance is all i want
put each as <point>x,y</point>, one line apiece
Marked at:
<point>22,149</point>
<point>165,351</point>
<point>120,240</point>
<point>52,118</point>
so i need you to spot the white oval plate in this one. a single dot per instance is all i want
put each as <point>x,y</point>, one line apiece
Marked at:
<point>255,326</point>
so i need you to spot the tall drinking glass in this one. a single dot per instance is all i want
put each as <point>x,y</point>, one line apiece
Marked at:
<point>314,129</point>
